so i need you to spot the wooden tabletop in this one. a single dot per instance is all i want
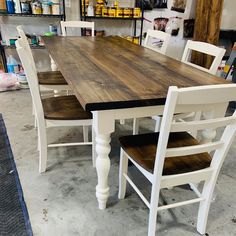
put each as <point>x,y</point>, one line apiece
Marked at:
<point>111,72</point>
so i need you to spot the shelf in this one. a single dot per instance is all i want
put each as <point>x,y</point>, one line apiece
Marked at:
<point>31,15</point>
<point>31,46</point>
<point>111,18</point>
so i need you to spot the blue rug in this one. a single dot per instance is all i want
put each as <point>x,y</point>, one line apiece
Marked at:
<point>14,218</point>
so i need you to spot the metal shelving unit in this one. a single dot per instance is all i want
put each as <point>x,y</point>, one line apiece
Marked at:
<point>3,47</point>
<point>84,18</point>
<point>33,15</point>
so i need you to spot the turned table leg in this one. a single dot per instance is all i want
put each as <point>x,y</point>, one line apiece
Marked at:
<point>103,149</point>
<point>53,65</point>
<point>103,125</point>
<point>209,134</point>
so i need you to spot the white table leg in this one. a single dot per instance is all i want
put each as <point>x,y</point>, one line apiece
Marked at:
<point>103,149</point>
<point>53,64</point>
<point>103,125</point>
<point>210,134</point>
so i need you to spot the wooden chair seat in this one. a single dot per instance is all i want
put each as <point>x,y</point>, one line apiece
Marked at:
<point>64,108</point>
<point>142,149</point>
<point>51,78</point>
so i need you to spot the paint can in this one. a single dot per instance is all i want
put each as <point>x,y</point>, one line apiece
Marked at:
<point>25,7</point>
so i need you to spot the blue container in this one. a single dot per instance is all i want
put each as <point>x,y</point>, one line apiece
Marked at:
<point>10,6</point>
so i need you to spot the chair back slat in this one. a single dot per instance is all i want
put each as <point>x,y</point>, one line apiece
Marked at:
<point>190,150</point>
<point>156,34</point>
<point>202,124</point>
<point>205,48</point>
<point>76,24</point>
<point>207,95</point>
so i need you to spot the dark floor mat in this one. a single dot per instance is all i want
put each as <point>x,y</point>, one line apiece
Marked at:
<point>14,219</point>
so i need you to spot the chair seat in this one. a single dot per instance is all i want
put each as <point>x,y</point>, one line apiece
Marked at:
<point>64,108</point>
<point>51,78</point>
<point>142,149</point>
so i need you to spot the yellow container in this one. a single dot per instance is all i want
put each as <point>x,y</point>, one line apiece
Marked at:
<point>111,12</point>
<point>137,12</point>
<point>101,2</point>
<point>136,40</point>
<point>127,12</point>
<point>3,6</point>
<point>119,12</point>
<point>98,10</point>
<point>105,12</point>
<point>116,4</point>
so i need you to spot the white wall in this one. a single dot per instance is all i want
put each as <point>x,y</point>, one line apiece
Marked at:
<point>229,15</point>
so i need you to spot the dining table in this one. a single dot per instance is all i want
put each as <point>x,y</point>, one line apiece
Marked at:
<point>116,79</point>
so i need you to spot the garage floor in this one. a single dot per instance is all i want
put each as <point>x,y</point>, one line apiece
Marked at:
<point>62,201</point>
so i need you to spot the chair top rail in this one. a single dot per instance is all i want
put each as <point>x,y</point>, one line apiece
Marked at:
<point>76,24</point>
<point>79,24</point>
<point>209,94</point>
<point>158,35</point>
<point>203,47</point>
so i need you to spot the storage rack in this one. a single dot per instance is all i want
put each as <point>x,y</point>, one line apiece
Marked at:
<point>84,18</point>
<point>3,47</point>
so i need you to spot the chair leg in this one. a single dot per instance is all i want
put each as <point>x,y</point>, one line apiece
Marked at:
<point>152,221</point>
<point>38,141</point>
<point>35,122</point>
<point>34,114</point>
<point>204,206</point>
<point>158,123</point>
<point>85,133</point>
<point>135,126</point>
<point>122,171</point>
<point>42,148</point>
<point>94,154</point>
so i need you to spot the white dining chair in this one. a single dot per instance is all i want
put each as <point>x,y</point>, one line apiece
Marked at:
<point>76,24</point>
<point>48,80</point>
<point>205,48</point>
<point>54,111</point>
<point>173,157</point>
<point>157,40</point>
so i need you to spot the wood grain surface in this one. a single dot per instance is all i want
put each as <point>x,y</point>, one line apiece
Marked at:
<point>111,72</point>
<point>51,78</point>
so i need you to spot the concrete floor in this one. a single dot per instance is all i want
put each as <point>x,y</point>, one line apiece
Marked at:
<point>62,201</point>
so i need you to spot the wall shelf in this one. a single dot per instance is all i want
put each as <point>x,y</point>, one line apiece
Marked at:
<point>140,19</point>
<point>31,15</point>
<point>113,18</point>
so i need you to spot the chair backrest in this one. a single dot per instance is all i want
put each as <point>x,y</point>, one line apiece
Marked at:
<point>26,44</point>
<point>205,48</point>
<point>31,76</point>
<point>212,99</point>
<point>160,40</point>
<point>76,24</point>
